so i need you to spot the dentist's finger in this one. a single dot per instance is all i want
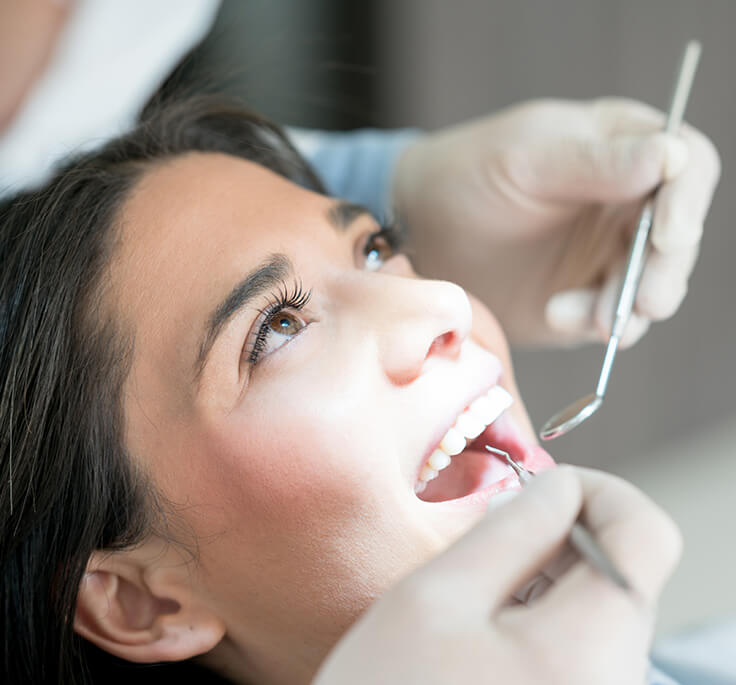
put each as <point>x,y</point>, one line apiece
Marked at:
<point>505,550</point>
<point>586,314</point>
<point>599,169</point>
<point>583,610</point>
<point>583,606</point>
<point>639,537</point>
<point>605,308</point>
<point>555,569</point>
<point>684,200</point>
<point>663,284</point>
<point>571,313</point>
<point>689,183</point>
<point>618,116</point>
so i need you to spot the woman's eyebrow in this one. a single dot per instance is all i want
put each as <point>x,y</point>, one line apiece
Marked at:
<point>342,214</point>
<point>272,272</point>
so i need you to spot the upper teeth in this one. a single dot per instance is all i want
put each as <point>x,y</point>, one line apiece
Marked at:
<point>468,426</point>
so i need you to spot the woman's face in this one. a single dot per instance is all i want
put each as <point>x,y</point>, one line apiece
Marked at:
<point>290,378</point>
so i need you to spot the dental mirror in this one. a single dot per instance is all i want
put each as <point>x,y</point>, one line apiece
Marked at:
<point>571,417</point>
<point>576,413</point>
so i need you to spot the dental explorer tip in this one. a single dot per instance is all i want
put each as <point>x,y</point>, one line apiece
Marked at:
<point>498,452</point>
<point>520,471</point>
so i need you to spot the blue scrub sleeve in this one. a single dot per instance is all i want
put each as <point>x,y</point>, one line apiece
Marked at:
<point>656,677</point>
<point>705,656</point>
<point>358,165</point>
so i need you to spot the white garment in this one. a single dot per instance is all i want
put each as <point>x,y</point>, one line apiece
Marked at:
<point>110,57</point>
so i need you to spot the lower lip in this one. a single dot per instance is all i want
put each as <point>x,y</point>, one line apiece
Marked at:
<point>506,435</point>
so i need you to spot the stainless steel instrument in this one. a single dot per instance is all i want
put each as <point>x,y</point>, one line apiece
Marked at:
<point>573,415</point>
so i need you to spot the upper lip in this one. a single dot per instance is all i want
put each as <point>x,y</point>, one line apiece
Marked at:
<point>481,388</point>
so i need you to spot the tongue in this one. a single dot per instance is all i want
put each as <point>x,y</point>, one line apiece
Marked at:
<point>469,471</point>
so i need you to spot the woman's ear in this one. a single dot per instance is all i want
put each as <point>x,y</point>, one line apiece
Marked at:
<point>141,605</point>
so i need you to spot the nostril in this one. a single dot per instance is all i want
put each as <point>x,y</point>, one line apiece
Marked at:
<point>442,344</point>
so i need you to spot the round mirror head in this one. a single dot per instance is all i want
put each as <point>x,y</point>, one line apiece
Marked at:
<point>571,417</point>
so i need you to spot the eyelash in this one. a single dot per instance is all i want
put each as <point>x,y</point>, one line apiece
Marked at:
<point>296,298</point>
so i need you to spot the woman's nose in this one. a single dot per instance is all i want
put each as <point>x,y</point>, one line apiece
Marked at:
<point>422,322</point>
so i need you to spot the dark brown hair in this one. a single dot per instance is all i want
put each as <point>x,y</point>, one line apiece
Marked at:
<point>67,485</point>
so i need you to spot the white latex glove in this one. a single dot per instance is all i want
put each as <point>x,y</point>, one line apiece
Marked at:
<point>28,32</point>
<point>533,210</point>
<point>451,621</point>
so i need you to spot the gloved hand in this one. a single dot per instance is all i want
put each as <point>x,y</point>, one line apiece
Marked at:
<point>533,210</point>
<point>28,32</point>
<point>451,621</point>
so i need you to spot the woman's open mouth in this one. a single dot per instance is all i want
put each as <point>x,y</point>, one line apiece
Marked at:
<point>459,468</point>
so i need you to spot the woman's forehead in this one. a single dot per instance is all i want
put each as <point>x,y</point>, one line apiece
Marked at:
<point>198,217</point>
<point>191,229</point>
<point>198,192</point>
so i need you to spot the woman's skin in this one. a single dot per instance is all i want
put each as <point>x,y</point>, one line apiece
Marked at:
<point>294,475</point>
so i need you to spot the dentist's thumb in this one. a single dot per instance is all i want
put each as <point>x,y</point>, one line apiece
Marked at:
<point>509,547</point>
<point>603,169</point>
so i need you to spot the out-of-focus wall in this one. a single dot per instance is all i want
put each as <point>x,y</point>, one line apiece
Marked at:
<point>300,62</point>
<point>443,62</point>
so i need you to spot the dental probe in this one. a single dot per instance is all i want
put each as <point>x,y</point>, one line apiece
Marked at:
<point>581,539</point>
<point>579,411</point>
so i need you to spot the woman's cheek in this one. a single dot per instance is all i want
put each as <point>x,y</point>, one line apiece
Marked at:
<point>302,457</point>
<point>487,331</point>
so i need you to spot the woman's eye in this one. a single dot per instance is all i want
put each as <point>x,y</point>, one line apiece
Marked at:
<point>285,323</point>
<point>377,251</point>
<point>275,332</point>
<point>281,327</point>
